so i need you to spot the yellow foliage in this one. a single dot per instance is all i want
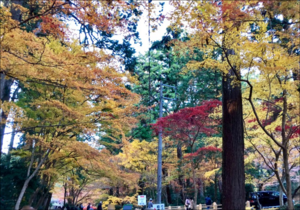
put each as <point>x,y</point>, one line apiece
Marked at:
<point>120,201</point>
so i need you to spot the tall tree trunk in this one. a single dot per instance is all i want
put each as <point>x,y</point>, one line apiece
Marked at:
<point>285,153</point>
<point>233,174</point>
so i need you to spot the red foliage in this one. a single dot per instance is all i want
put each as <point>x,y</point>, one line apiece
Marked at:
<point>187,124</point>
<point>204,151</point>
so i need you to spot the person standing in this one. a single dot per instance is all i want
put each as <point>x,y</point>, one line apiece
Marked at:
<point>99,206</point>
<point>187,203</point>
<point>91,207</point>
<point>88,207</point>
<point>150,204</point>
<point>208,202</point>
<point>81,206</point>
<point>191,206</point>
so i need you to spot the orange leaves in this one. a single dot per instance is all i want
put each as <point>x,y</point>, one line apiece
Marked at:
<point>51,26</point>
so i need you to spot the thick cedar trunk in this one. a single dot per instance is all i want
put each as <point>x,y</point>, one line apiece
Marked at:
<point>233,174</point>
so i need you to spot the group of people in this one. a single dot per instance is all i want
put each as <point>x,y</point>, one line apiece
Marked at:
<point>81,207</point>
<point>189,203</point>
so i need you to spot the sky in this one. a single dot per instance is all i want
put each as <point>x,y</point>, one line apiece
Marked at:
<point>140,49</point>
<point>154,36</point>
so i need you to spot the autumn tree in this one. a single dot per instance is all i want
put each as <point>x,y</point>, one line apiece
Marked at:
<point>187,126</point>
<point>45,19</point>
<point>208,162</point>
<point>74,90</point>
<point>225,25</point>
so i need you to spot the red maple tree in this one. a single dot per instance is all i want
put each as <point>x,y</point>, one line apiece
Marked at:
<point>189,123</point>
<point>187,126</point>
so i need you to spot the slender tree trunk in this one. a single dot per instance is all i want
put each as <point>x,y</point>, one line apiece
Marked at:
<point>233,174</point>
<point>195,187</point>
<point>28,179</point>
<point>216,189</point>
<point>168,193</point>
<point>111,191</point>
<point>42,199</point>
<point>220,189</point>
<point>65,193</point>
<point>48,201</point>
<point>180,176</point>
<point>201,190</point>
<point>117,191</point>
<point>25,185</point>
<point>280,190</point>
<point>285,153</point>
<point>280,196</point>
<point>288,179</point>
<point>34,195</point>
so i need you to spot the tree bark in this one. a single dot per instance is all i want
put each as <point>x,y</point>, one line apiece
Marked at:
<point>168,191</point>
<point>216,189</point>
<point>180,176</point>
<point>233,174</point>
<point>5,86</point>
<point>48,201</point>
<point>6,83</point>
<point>288,180</point>
<point>28,179</point>
<point>285,153</point>
<point>195,188</point>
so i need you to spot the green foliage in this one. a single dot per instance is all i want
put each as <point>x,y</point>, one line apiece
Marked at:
<point>12,180</point>
<point>167,65</point>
